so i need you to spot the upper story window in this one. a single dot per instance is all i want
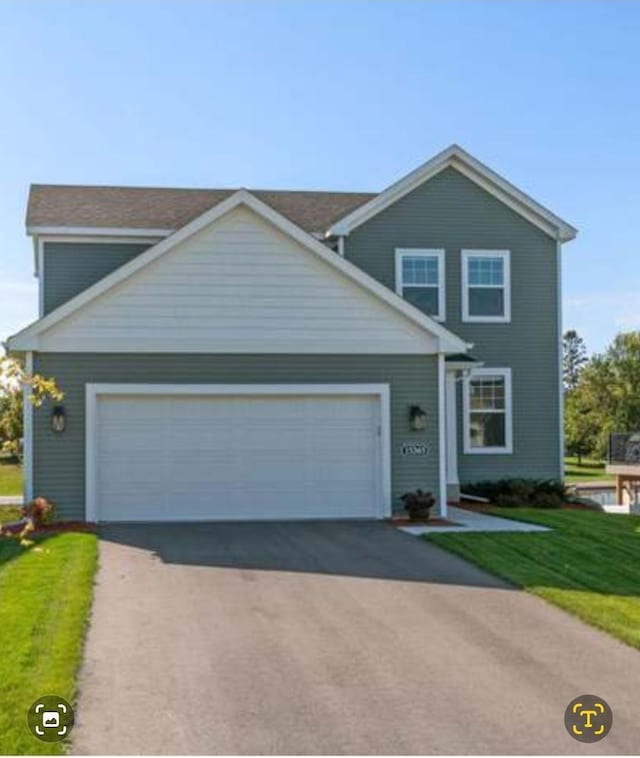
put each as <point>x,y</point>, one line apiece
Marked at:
<point>486,286</point>
<point>420,279</point>
<point>487,411</point>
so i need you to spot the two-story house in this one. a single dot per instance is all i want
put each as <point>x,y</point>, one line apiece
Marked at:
<point>267,354</point>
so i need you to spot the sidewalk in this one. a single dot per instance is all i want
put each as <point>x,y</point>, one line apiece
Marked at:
<point>474,521</point>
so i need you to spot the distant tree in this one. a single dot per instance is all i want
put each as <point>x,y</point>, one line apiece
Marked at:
<point>606,397</point>
<point>574,358</point>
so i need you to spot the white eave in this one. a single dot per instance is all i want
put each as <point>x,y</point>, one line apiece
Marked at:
<point>448,342</point>
<point>457,158</point>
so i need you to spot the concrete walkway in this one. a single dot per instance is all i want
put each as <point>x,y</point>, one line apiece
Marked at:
<point>330,638</point>
<point>474,521</point>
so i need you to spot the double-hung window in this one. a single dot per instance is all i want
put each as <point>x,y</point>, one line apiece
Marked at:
<point>487,411</point>
<point>420,279</point>
<point>486,286</point>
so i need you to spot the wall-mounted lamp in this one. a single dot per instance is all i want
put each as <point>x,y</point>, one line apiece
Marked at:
<point>58,418</point>
<point>417,418</point>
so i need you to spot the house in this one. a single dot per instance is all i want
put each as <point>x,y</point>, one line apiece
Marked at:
<point>264,354</point>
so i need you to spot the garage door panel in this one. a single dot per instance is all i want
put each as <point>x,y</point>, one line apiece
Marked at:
<point>163,457</point>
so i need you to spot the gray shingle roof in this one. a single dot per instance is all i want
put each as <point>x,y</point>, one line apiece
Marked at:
<point>165,208</point>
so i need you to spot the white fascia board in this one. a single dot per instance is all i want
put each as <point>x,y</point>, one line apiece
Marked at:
<point>455,157</point>
<point>447,341</point>
<point>96,231</point>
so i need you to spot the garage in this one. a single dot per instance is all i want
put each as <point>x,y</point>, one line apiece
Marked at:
<point>224,452</point>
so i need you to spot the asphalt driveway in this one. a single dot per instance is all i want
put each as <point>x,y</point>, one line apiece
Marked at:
<point>306,638</point>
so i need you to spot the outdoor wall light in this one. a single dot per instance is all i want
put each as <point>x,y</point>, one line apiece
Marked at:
<point>58,419</point>
<point>417,418</point>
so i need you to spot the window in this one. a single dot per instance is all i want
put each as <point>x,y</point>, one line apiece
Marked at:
<point>420,279</point>
<point>487,411</point>
<point>486,286</point>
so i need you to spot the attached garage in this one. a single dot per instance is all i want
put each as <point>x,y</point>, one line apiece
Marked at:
<point>230,452</point>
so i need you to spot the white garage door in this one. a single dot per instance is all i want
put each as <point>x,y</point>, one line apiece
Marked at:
<point>174,458</point>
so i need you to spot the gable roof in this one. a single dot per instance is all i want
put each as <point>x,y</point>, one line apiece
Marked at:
<point>164,210</point>
<point>27,339</point>
<point>455,157</point>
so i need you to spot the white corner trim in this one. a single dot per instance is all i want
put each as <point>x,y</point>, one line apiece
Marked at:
<point>97,231</point>
<point>473,169</point>
<point>466,412</point>
<point>465,256</point>
<point>28,337</point>
<point>442,436</point>
<point>560,360</point>
<point>95,391</point>
<point>27,433</point>
<point>438,253</point>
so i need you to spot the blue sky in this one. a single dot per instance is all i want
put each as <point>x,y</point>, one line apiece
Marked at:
<point>332,95</point>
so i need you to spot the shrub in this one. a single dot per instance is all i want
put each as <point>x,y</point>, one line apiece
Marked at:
<point>513,493</point>
<point>418,504</point>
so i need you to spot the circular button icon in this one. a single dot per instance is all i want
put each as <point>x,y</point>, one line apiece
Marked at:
<point>588,718</point>
<point>50,718</point>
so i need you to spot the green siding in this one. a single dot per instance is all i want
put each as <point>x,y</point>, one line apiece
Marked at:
<point>452,212</point>
<point>59,459</point>
<point>71,267</point>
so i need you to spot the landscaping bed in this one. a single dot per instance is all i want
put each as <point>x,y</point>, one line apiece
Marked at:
<point>588,564</point>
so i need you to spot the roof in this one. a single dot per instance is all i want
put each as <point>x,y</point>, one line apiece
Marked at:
<point>448,342</point>
<point>53,205</point>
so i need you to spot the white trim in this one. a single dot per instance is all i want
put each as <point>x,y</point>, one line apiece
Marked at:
<point>94,391</point>
<point>421,252</point>
<point>27,432</point>
<point>455,157</point>
<point>97,231</point>
<point>560,359</point>
<point>466,254</point>
<point>27,339</point>
<point>505,373</point>
<point>452,428</point>
<point>341,246</point>
<point>442,436</point>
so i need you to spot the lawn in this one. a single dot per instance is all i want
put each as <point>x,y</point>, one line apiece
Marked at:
<point>45,597</point>
<point>587,471</point>
<point>10,478</point>
<point>588,565</point>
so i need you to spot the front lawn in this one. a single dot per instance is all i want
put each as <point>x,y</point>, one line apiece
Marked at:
<point>586,471</point>
<point>588,565</point>
<point>10,478</point>
<point>45,597</point>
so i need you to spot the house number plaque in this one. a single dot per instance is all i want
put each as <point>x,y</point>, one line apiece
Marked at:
<point>414,448</point>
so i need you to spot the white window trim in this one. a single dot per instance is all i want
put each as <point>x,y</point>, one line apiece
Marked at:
<point>421,252</point>
<point>95,391</point>
<point>506,257</point>
<point>505,373</point>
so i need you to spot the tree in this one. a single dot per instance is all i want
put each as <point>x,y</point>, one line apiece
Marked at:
<point>13,379</point>
<point>606,397</point>
<point>574,358</point>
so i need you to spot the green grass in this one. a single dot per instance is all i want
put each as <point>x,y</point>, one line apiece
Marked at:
<point>45,597</point>
<point>10,478</point>
<point>589,470</point>
<point>588,565</point>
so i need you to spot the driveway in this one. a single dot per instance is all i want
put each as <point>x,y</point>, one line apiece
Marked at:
<point>306,638</point>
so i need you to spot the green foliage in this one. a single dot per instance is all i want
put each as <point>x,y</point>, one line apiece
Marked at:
<point>574,357</point>
<point>606,398</point>
<point>418,504</point>
<point>13,379</point>
<point>514,493</point>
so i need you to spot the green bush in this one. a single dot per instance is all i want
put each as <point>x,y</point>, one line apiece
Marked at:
<point>514,493</point>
